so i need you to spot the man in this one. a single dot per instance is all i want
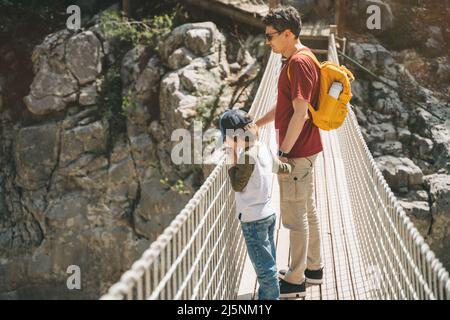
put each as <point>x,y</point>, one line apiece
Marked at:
<point>299,143</point>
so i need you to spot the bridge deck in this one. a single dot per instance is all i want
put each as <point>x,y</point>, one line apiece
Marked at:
<point>345,276</point>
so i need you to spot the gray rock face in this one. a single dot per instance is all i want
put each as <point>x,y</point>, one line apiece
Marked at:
<point>374,56</point>
<point>423,146</point>
<point>439,238</point>
<point>91,138</point>
<point>179,105</point>
<point>36,155</point>
<point>441,146</point>
<point>315,7</point>
<point>200,38</point>
<point>356,12</point>
<point>443,69</point>
<point>199,41</point>
<point>88,96</point>
<point>141,75</point>
<point>84,57</point>
<point>420,215</point>
<point>202,46</point>
<point>2,92</point>
<point>196,80</point>
<point>391,147</point>
<point>434,44</point>
<point>400,172</point>
<point>179,58</point>
<point>87,186</point>
<point>62,65</point>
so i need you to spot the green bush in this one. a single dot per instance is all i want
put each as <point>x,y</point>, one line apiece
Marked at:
<point>146,32</point>
<point>178,186</point>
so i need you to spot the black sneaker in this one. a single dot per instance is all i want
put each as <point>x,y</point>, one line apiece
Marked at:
<point>290,290</point>
<point>312,276</point>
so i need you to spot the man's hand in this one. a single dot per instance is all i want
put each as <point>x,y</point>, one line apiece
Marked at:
<point>268,117</point>
<point>230,143</point>
<point>283,159</point>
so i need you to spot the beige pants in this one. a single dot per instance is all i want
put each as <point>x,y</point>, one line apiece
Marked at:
<point>299,215</point>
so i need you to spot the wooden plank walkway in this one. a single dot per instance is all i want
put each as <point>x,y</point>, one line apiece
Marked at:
<point>345,277</point>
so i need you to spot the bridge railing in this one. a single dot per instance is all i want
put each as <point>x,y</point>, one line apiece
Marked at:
<point>399,263</point>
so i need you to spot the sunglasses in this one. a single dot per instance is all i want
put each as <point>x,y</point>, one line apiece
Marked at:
<point>269,36</point>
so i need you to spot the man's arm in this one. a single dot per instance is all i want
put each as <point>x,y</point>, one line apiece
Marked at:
<point>268,117</point>
<point>295,124</point>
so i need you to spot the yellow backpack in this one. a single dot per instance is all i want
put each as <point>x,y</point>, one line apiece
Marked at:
<point>330,112</point>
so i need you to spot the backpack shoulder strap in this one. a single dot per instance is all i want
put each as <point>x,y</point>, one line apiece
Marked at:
<point>311,55</point>
<point>305,53</point>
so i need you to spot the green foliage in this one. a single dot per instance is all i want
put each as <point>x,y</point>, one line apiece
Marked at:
<point>203,111</point>
<point>178,186</point>
<point>146,32</point>
<point>128,101</point>
<point>110,100</point>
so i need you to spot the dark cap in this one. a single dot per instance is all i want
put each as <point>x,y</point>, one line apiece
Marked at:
<point>233,120</point>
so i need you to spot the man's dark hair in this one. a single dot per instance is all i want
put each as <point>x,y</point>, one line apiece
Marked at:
<point>283,18</point>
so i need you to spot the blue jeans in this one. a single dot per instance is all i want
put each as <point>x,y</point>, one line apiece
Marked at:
<point>261,249</point>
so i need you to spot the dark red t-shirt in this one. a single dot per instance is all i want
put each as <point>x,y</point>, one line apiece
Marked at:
<point>304,84</point>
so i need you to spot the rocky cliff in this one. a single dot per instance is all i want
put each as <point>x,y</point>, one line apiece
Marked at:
<point>89,181</point>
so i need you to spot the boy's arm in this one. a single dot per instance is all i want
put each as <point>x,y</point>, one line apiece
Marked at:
<point>241,172</point>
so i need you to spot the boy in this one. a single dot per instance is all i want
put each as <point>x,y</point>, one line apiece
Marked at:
<point>251,176</point>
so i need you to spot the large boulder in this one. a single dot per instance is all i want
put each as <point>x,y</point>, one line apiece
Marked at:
<point>357,12</point>
<point>400,173</point>
<point>63,64</point>
<point>177,105</point>
<point>201,38</point>
<point>373,56</point>
<point>84,57</point>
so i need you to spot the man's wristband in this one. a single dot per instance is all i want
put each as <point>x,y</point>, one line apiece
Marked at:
<point>282,154</point>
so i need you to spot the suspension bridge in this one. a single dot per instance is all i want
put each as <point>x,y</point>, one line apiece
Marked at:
<point>371,248</point>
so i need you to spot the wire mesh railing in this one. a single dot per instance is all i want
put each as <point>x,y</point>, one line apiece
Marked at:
<point>398,262</point>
